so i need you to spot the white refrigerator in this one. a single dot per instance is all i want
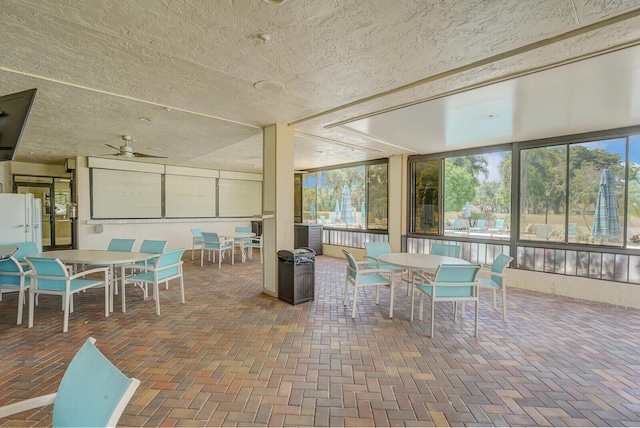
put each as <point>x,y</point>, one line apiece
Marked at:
<point>20,219</point>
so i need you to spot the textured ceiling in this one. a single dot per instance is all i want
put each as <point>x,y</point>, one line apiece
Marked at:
<point>362,79</point>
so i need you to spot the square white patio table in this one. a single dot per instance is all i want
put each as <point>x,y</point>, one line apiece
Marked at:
<point>417,262</point>
<point>97,257</point>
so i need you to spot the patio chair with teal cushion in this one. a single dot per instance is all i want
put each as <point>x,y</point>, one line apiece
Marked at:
<point>498,227</point>
<point>240,243</point>
<point>255,242</point>
<point>50,276</point>
<point>480,226</point>
<point>197,240</point>
<point>92,393</point>
<point>449,250</point>
<point>14,277</point>
<point>24,249</point>
<point>497,280</point>
<point>151,246</point>
<point>358,275</point>
<point>452,283</point>
<point>165,268</point>
<point>374,251</point>
<point>117,244</point>
<point>211,242</point>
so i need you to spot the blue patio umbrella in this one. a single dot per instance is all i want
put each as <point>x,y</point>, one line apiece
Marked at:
<point>347,209</point>
<point>606,221</point>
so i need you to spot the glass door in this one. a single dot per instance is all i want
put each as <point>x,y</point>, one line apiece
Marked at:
<point>55,197</point>
<point>42,192</point>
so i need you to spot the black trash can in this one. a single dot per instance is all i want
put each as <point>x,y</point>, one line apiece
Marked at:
<point>296,275</point>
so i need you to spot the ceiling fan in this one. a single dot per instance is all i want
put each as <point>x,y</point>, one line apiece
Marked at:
<point>126,151</point>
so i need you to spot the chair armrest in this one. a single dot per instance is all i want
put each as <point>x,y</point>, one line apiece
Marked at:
<point>375,271</point>
<point>87,272</point>
<point>486,271</point>
<point>144,267</point>
<point>31,403</point>
<point>370,259</point>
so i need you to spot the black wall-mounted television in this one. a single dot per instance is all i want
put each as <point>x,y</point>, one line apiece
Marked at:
<point>14,110</point>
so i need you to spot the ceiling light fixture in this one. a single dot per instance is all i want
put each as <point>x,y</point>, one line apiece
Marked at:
<point>144,119</point>
<point>274,2</point>
<point>269,86</point>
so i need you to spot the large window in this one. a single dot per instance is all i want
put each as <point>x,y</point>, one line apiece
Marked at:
<point>576,193</point>
<point>477,195</point>
<point>353,197</point>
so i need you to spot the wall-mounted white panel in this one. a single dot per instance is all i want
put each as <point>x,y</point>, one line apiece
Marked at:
<point>234,175</point>
<point>240,198</point>
<point>194,172</point>
<point>125,165</point>
<point>189,196</point>
<point>125,194</point>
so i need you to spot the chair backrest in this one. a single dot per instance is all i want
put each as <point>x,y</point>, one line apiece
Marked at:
<point>457,222</point>
<point>210,237</point>
<point>10,272</point>
<point>197,232</point>
<point>480,223</point>
<point>117,244</point>
<point>499,223</point>
<point>351,262</point>
<point>24,249</point>
<point>169,262</point>
<point>457,276</point>
<point>499,265</point>
<point>376,249</point>
<point>450,250</point>
<point>92,392</point>
<point>48,267</point>
<point>456,273</point>
<point>153,247</point>
<point>243,229</point>
<point>572,229</point>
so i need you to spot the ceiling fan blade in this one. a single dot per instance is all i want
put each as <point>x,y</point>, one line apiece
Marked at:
<point>113,147</point>
<point>143,155</point>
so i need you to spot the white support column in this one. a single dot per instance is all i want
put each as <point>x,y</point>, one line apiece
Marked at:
<point>277,199</point>
<point>397,201</point>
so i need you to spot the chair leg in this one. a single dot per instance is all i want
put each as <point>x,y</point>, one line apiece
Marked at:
<point>20,304</point>
<point>182,289</point>
<point>393,292</point>
<point>353,305</point>
<point>433,314</point>
<point>476,320</point>
<point>32,299</point>
<point>65,323</point>
<point>504,303</point>
<point>346,292</point>
<point>413,298</point>
<point>122,296</point>
<point>261,255</point>
<point>495,306</point>
<point>156,295</point>
<point>201,258</point>
<point>421,306</point>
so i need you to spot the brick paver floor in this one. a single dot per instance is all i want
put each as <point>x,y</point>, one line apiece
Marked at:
<point>233,356</point>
